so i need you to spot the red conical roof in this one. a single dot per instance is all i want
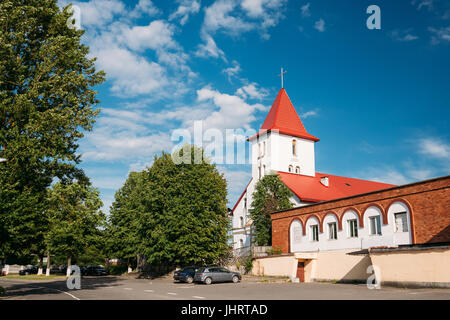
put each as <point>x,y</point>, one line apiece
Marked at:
<point>283,117</point>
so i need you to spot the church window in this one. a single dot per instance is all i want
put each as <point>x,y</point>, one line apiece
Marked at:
<point>297,169</point>
<point>294,147</point>
<point>264,149</point>
<point>264,169</point>
<point>332,231</point>
<point>242,222</point>
<point>401,223</point>
<point>353,228</point>
<point>259,172</point>
<point>290,168</point>
<point>314,233</point>
<point>259,150</point>
<point>375,225</point>
<point>241,243</point>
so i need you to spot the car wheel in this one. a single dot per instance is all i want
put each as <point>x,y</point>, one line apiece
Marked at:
<point>235,279</point>
<point>208,281</point>
<point>189,279</point>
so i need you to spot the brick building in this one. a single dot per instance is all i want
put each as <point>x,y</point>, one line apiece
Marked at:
<point>415,213</point>
<point>404,231</point>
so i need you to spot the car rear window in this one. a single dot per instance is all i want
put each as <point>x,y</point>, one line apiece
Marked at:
<point>202,270</point>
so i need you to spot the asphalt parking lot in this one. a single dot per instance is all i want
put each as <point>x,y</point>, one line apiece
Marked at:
<point>128,288</point>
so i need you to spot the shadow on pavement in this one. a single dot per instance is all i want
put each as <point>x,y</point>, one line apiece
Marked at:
<point>14,289</point>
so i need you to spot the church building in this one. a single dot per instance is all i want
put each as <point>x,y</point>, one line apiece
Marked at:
<point>284,146</point>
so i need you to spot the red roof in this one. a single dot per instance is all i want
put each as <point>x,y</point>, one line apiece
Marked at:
<point>309,188</point>
<point>283,117</point>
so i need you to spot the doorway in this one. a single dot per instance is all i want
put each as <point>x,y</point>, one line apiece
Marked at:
<point>301,271</point>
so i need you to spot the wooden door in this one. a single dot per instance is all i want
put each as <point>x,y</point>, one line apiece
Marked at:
<point>301,271</point>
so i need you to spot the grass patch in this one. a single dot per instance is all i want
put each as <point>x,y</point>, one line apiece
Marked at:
<point>34,277</point>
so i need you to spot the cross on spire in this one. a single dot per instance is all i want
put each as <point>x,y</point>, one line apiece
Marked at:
<point>281,75</point>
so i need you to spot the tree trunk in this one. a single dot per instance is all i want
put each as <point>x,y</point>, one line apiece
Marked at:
<point>69,266</point>
<point>41,263</point>
<point>47,272</point>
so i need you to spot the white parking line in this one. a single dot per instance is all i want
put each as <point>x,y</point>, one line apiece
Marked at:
<point>172,294</point>
<point>149,290</point>
<point>198,297</point>
<point>127,289</point>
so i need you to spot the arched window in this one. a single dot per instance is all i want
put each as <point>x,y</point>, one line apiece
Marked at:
<point>297,169</point>
<point>242,222</point>
<point>264,149</point>
<point>294,147</point>
<point>290,168</point>
<point>259,150</point>
<point>259,172</point>
<point>264,169</point>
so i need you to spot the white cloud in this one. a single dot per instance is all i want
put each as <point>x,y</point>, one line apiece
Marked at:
<point>144,7</point>
<point>440,35</point>
<point>131,74</point>
<point>157,35</point>
<point>403,36</point>
<point>423,4</point>
<point>251,91</point>
<point>434,147</point>
<point>310,113</point>
<point>96,13</point>
<point>209,48</point>
<point>224,16</point>
<point>320,25</point>
<point>233,111</point>
<point>305,10</point>
<point>232,71</point>
<point>184,10</point>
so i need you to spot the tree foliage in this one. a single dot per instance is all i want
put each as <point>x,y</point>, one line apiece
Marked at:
<point>270,195</point>
<point>178,210</point>
<point>75,219</point>
<point>121,236</point>
<point>46,101</point>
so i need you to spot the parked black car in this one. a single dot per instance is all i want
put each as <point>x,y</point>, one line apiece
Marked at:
<point>185,274</point>
<point>31,270</point>
<point>209,275</point>
<point>95,271</point>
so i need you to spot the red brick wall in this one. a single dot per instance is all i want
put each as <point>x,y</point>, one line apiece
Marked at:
<point>428,201</point>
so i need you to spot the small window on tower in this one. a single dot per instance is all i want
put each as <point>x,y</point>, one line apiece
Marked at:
<point>294,147</point>
<point>297,169</point>
<point>290,168</point>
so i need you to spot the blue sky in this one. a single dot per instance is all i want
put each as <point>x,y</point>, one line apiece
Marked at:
<point>379,100</point>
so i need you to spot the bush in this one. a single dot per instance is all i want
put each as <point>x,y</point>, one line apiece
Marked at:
<point>274,251</point>
<point>117,269</point>
<point>248,265</point>
<point>2,291</point>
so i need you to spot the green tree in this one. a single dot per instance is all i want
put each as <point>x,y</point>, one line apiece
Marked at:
<point>185,214</point>
<point>270,195</point>
<point>46,101</point>
<point>123,240</point>
<point>75,219</point>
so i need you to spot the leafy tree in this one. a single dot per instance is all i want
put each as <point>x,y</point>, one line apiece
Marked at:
<point>75,219</point>
<point>270,195</point>
<point>46,101</point>
<point>123,240</point>
<point>184,220</point>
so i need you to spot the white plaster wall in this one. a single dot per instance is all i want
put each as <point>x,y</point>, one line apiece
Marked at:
<point>364,240</point>
<point>305,154</point>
